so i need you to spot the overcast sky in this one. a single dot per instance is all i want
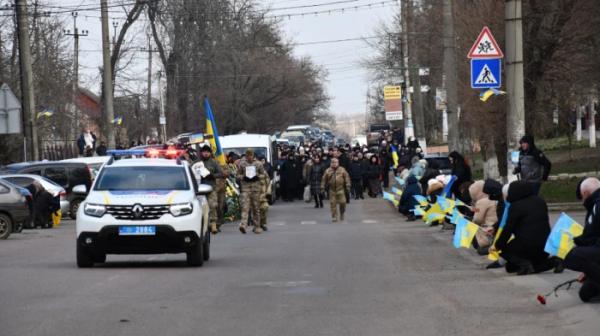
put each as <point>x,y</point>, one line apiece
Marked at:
<point>347,81</point>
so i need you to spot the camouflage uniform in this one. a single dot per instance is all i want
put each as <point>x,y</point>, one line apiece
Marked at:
<point>264,200</point>
<point>215,173</point>
<point>251,192</point>
<point>337,182</point>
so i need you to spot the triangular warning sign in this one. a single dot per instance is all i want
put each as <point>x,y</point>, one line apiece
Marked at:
<point>486,76</point>
<point>485,46</point>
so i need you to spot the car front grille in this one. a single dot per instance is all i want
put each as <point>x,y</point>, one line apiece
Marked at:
<point>125,212</point>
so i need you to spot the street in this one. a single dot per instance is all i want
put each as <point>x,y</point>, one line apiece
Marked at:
<point>373,274</point>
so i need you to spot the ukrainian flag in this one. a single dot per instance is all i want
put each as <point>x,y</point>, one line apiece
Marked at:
<point>434,214</point>
<point>391,198</point>
<point>118,120</point>
<point>396,191</point>
<point>560,242</point>
<point>486,94</point>
<point>422,200</point>
<point>496,255</point>
<point>45,113</point>
<point>395,156</point>
<point>447,189</point>
<point>212,134</point>
<point>464,233</point>
<point>400,181</point>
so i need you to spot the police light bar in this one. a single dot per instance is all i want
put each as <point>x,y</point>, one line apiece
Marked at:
<point>126,152</point>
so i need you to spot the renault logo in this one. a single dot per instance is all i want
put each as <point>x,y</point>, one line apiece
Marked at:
<point>137,211</point>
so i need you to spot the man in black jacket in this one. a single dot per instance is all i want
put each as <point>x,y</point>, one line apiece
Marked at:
<point>585,257</point>
<point>534,167</point>
<point>529,223</point>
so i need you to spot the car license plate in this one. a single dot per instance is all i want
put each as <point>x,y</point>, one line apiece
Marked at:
<point>146,230</point>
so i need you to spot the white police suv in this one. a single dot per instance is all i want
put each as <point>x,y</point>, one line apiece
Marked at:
<point>144,206</point>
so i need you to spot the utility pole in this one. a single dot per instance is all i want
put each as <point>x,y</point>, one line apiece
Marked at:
<point>413,70</point>
<point>76,34</point>
<point>163,118</point>
<point>450,77</point>
<point>409,130</point>
<point>149,96</point>
<point>515,119</point>
<point>592,126</point>
<point>109,114</point>
<point>31,138</point>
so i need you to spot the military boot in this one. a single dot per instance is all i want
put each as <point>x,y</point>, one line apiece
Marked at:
<point>257,229</point>
<point>214,229</point>
<point>243,228</point>
<point>341,216</point>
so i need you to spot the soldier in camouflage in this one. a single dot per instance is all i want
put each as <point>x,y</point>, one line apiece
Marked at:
<point>337,181</point>
<point>265,192</point>
<point>207,170</point>
<point>250,173</point>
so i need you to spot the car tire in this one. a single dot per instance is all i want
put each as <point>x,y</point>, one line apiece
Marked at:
<point>85,258</point>
<point>206,246</point>
<point>73,207</point>
<point>195,257</point>
<point>6,225</point>
<point>100,258</point>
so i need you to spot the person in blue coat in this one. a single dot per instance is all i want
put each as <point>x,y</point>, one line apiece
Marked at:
<point>407,201</point>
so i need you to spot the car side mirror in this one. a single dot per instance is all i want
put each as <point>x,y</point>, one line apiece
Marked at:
<point>80,189</point>
<point>204,189</point>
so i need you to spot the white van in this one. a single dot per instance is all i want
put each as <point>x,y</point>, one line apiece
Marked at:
<point>262,145</point>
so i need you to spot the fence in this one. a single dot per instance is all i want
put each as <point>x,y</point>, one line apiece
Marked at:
<point>54,150</point>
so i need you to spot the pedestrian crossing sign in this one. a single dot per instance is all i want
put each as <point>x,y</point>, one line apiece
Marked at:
<point>486,73</point>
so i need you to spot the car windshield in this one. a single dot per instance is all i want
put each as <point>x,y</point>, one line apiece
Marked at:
<point>142,178</point>
<point>258,151</point>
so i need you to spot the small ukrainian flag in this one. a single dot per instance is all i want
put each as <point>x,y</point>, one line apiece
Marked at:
<point>118,120</point>
<point>45,113</point>
<point>485,95</point>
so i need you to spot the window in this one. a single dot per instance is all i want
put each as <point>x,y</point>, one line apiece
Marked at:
<point>58,175</point>
<point>4,189</point>
<point>19,180</point>
<point>142,179</point>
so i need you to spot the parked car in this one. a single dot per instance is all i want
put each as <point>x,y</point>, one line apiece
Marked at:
<point>440,162</point>
<point>14,208</point>
<point>66,174</point>
<point>94,163</point>
<point>23,180</point>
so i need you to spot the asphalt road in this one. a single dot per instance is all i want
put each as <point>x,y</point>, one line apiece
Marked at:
<point>373,274</point>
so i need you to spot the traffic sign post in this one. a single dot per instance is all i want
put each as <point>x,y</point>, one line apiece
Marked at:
<point>485,46</point>
<point>486,73</point>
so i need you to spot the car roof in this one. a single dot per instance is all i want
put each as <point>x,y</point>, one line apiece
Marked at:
<point>245,140</point>
<point>144,163</point>
<point>89,160</point>
<point>298,127</point>
<point>22,165</point>
<point>38,178</point>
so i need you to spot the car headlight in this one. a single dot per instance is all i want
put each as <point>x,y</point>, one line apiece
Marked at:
<point>181,209</point>
<point>94,210</point>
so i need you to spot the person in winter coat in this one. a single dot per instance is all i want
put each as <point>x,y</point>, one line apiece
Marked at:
<point>533,165</point>
<point>289,180</point>
<point>356,175</point>
<point>86,142</point>
<point>484,215</point>
<point>44,204</point>
<point>407,201</point>
<point>386,161</point>
<point>374,175</point>
<point>418,168</point>
<point>585,256</point>
<point>364,163</point>
<point>493,188</point>
<point>337,181</point>
<point>460,169</point>
<point>314,177</point>
<point>529,223</point>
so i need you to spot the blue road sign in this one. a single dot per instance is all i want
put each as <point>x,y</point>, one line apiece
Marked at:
<point>486,73</point>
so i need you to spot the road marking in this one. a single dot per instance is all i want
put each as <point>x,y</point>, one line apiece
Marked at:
<point>308,223</point>
<point>370,221</point>
<point>278,223</point>
<point>280,284</point>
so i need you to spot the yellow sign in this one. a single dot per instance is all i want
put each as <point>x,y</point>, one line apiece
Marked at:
<point>392,92</point>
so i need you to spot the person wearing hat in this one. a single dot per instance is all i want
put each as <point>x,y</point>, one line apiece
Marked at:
<point>207,171</point>
<point>533,167</point>
<point>585,256</point>
<point>250,173</point>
